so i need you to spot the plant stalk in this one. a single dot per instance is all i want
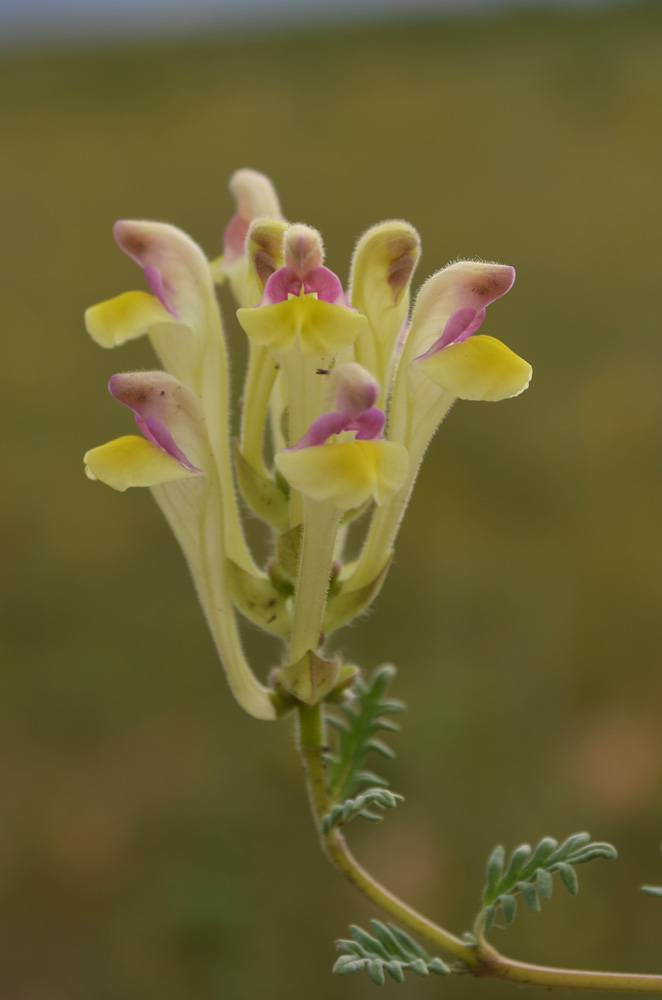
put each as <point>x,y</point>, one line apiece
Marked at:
<point>482,960</point>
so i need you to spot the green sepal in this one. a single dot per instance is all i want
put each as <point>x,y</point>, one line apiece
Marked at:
<point>288,552</point>
<point>344,603</point>
<point>283,584</point>
<point>262,493</point>
<point>311,678</point>
<point>346,679</point>
<point>281,699</point>
<point>258,600</point>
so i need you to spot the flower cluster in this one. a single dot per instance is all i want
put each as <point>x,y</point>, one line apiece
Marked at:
<point>343,393</point>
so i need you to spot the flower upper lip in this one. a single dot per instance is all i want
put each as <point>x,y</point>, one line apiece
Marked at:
<point>161,404</point>
<point>319,281</point>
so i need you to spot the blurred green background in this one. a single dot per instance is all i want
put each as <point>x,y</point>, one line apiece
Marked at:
<point>154,841</point>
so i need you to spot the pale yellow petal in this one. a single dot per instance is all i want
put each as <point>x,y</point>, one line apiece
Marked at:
<point>384,262</point>
<point>254,193</point>
<point>480,367</point>
<point>264,255</point>
<point>466,284</point>
<point>346,473</point>
<point>125,317</point>
<point>321,328</point>
<point>133,461</point>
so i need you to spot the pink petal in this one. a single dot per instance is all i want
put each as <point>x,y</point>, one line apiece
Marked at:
<point>319,280</point>
<point>460,325</point>
<point>369,424</point>
<point>357,390</point>
<point>157,432</point>
<point>234,238</point>
<point>321,429</point>
<point>327,285</point>
<point>148,250</point>
<point>153,406</point>
<point>457,324</point>
<point>283,282</point>
<point>480,316</point>
<point>303,249</point>
<point>161,289</point>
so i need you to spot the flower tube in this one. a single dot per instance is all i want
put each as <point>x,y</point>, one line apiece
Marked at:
<point>442,360</point>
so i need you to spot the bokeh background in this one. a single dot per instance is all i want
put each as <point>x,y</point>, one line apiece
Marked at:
<point>154,841</point>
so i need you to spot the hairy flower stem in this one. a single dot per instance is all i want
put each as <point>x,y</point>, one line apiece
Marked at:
<point>482,961</point>
<point>312,743</point>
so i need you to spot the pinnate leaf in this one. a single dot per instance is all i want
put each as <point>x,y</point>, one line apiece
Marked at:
<point>357,725</point>
<point>345,811</point>
<point>387,950</point>
<point>530,873</point>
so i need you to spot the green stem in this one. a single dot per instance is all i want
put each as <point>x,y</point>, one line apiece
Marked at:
<point>482,961</point>
<point>499,967</point>
<point>338,851</point>
<point>312,742</point>
<point>312,746</point>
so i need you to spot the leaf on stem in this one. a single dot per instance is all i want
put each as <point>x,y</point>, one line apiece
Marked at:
<point>530,873</point>
<point>345,811</point>
<point>389,950</point>
<point>357,728</point>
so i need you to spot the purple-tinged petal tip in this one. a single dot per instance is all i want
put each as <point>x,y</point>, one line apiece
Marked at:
<point>353,391</point>
<point>303,249</point>
<point>161,405</point>
<point>322,429</point>
<point>162,289</point>
<point>157,432</point>
<point>326,285</point>
<point>145,248</point>
<point>369,424</point>
<point>234,238</point>
<point>460,325</point>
